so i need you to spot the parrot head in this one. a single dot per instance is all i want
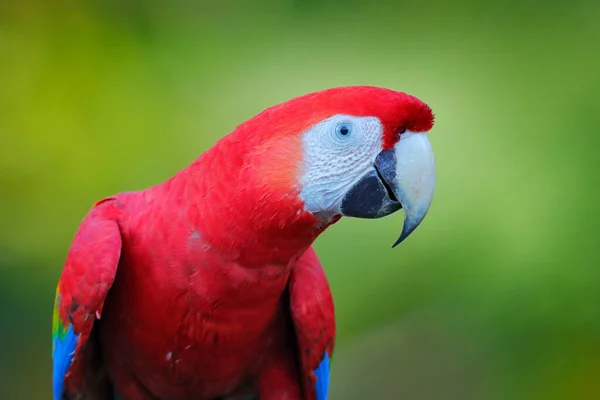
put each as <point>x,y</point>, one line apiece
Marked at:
<point>356,151</point>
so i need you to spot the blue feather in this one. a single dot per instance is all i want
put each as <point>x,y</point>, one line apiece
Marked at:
<point>62,357</point>
<point>322,373</point>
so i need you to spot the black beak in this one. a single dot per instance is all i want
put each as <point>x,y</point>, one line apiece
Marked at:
<point>402,177</point>
<point>373,196</point>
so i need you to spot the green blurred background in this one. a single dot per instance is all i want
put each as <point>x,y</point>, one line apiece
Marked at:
<point>497,294</point>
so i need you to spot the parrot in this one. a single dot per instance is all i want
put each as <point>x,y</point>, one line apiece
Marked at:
<point>207,286</point>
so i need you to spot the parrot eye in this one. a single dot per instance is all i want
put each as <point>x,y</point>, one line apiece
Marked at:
<point>343,130</point>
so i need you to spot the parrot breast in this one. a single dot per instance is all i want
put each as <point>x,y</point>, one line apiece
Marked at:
<point>184,321</point>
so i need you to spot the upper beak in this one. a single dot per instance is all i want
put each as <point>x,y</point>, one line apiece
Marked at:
<point>402,177</point>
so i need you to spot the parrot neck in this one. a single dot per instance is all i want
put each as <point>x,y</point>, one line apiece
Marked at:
<point>237,214</point>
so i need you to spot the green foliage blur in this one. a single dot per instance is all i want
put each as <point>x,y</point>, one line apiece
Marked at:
<point>495,296</point>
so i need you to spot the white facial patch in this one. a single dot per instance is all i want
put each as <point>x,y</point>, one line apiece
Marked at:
<point>338,152</point>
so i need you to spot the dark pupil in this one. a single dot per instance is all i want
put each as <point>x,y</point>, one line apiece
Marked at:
<point>344,130</point>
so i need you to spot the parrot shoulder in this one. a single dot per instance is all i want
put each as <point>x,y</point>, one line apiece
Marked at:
<point>88,274</point>
<point>312,313</point>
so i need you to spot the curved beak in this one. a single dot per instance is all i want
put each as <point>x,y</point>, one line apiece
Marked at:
<point>403,177</point>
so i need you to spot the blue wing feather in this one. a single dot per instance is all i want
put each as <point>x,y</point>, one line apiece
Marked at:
<point>62,357</point>
<point>322,373</point>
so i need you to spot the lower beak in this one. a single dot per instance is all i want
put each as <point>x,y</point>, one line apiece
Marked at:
<point>403,177</point>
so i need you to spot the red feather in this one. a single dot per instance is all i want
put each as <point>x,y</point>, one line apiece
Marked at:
<point>217,289</point>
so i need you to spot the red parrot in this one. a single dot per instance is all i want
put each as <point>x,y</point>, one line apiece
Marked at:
<point>206,286</point>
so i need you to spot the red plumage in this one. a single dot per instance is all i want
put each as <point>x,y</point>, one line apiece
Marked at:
<point>216,287</point>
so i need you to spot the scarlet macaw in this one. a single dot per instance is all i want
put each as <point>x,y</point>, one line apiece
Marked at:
<point>206,286</point>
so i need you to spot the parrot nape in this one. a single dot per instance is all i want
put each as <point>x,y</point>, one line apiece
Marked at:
<point>206,286</point>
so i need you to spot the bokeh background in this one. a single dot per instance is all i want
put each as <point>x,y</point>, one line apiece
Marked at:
<point>496,295</point>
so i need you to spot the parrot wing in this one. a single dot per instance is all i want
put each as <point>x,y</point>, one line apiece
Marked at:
<point>88,274</point>
<point>313,317</point>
